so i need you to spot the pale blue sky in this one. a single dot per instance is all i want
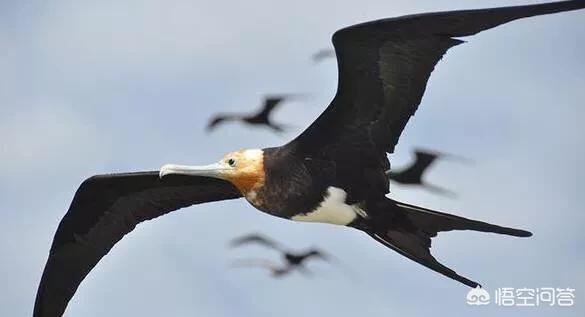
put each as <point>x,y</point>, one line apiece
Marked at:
<point>88,88</point>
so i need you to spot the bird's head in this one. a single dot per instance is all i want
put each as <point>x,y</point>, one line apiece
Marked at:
<point>244,169</point>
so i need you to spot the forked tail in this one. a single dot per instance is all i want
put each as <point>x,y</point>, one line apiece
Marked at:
<point>408,230</point>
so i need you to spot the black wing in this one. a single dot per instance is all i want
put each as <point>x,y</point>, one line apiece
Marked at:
<point>220,118</point>
<point>316,253</point>
<point>276,270</point>
<point>104,209</point>
<point>269,104</point>
<point>384,67</point>
<point>255,238</point>
<point>413,174</point>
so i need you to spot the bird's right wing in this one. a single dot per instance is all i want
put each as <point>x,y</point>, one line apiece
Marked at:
<point>104,209</point>
<point>316,253</point>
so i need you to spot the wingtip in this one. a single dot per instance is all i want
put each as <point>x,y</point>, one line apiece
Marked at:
<point>514,232</point>
<point>518,233</point>
<point>464,280</point>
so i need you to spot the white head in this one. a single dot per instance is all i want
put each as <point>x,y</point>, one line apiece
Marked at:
<point>244,169</point>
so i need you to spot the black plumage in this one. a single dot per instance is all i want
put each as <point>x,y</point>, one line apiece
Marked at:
<point>104,209</point>
<point>276,270</point>
<point>261,117</point>
<point>413,174</point>
<point>334,172</point>
<point>294,260</point>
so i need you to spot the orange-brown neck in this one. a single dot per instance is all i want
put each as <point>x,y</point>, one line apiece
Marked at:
<point>249,175</point>
<point>248,182</point>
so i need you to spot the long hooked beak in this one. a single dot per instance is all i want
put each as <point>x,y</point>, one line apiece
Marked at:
<point>214,170</point>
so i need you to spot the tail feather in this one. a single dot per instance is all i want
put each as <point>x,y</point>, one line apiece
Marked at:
<point>408,230</point>
<point>421,256</point>
<point>433,222</point>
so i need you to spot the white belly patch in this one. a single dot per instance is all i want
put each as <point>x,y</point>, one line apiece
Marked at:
<point>332,209</point>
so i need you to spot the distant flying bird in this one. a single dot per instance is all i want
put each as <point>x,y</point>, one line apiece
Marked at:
<point>274,269</point>
<point>323,54</point>
<point>262,117</point>
<point>293,259</point>
<point>334,172</point>
<point>413,174</point>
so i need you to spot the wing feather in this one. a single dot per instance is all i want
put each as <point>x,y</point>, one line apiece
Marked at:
<point>103,210</point>
<point>383,69</point>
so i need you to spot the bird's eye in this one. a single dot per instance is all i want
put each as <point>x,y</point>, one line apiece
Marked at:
<point>231,162</point>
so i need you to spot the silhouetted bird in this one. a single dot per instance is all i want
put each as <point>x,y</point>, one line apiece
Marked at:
<point>293,259</point>
<point>413,174</point>
<point>274,269</point>
<point>262,117</point>
<point>334,172</point>
<point>323,54</point>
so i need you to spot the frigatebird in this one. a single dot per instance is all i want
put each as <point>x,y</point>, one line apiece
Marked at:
<point>274,269</point>
<point>262,117</point>
<point>333,172</point>
<point>413,173</point>
<point>293,259</point>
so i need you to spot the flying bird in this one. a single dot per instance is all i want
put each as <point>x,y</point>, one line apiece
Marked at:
<point>322,54</point>
<point>292,259</point>
<point>413,173</point>
<point>334,172</point>
<point>262,117</point>
<point>274,269</point>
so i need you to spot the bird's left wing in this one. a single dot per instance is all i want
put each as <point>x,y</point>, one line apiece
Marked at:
<point>104,209</point>
<point>220,118</point>
<point>384,67</point>
<point>256,238</point>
